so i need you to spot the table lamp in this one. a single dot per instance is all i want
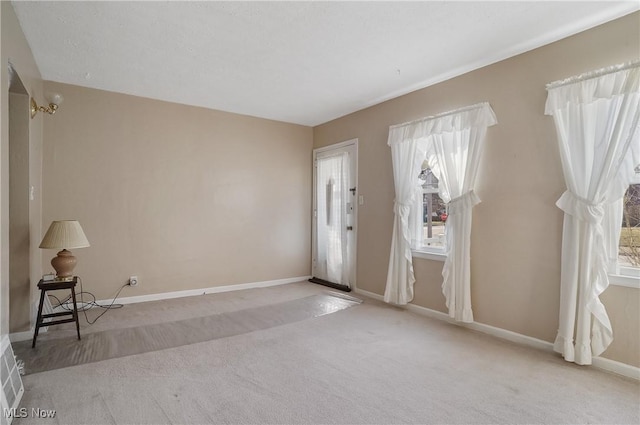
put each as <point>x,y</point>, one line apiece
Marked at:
<point>65,235</point>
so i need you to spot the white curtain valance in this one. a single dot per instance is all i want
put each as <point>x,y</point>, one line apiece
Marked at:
<point>478,115</point>
<point>604,83</point>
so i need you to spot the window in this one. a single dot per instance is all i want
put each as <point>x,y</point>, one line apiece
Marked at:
<point>434,213</point>
<point>629,243</point>
<point>629,246</point>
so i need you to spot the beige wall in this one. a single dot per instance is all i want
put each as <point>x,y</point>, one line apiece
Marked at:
<point>516,237</point>
<point>15,50</point>
<point>183,197</point>
<point>19,253</point>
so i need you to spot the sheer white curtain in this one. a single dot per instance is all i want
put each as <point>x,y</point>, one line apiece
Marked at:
<point>332,190</point>
<point>407,155</point>
<point>416,219</point>
<point>451,143</point>
<point>596,117</point>
<point>454,147</point>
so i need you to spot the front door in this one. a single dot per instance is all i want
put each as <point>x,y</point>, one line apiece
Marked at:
<point>334,215</point>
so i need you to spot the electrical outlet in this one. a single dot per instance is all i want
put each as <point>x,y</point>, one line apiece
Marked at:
<point>133,281</point>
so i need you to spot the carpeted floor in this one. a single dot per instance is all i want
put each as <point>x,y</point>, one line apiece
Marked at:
<point>56,353</point>
<point>368,363</point>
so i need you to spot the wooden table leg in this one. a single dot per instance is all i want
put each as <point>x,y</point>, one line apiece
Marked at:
<point>38,318</point>
<point>75,310</point>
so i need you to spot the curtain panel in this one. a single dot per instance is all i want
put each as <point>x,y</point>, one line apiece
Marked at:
<point>407,154</point>
<point>454,148</point>
<point>332,192</point>
<point>451,143</point>
<point>596,117</point>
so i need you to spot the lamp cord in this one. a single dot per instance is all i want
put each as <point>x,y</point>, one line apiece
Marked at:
<point>65,302</point>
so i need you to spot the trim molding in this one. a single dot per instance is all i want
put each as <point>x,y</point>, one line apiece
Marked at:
<point>338,145</point>
<point>27,335</point>
<point>24,335</point>
<point>598,362</point>
<point>613,12</point>
<point>617,367</point>
<point>436,256</point>
<point>624,280</point>
<point>204,291</point>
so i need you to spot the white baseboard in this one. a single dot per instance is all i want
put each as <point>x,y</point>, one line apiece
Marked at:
<point>27,335</point>
<point>617,367</point>
<point>47,308</point>
<point>368,294</point>
<point>67,306</point>
<point>24,336</point>
<point>598,362</point>
<point>203,291</point>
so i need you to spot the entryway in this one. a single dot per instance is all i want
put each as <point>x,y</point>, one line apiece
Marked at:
<point>335,203</point>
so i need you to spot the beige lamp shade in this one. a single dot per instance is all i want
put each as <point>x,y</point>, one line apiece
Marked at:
<point>64,234</point>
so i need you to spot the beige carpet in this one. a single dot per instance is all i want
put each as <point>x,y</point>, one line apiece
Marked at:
<point>369,363</point>
<point>56,353</point>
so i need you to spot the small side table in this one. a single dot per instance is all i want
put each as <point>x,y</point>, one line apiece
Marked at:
<point>56,285</point>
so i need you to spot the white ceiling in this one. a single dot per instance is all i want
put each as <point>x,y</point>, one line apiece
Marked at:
<point>298,62</point>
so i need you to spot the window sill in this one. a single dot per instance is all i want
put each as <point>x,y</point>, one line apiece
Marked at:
<point>627,280</point>
<point>629,277</point>
<point>436,255</point>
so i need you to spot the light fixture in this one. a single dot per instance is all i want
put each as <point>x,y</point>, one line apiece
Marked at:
<point>64,234</point>
<point>55,99</point>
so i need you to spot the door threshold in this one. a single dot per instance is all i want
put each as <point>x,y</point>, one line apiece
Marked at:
<point>339,286</point>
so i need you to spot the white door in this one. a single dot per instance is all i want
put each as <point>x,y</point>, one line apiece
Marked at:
<point>334,214</point>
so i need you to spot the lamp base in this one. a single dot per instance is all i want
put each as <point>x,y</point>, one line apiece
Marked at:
<point>64,264</point>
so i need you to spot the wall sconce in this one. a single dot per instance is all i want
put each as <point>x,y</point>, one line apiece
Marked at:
<point>55,99</point>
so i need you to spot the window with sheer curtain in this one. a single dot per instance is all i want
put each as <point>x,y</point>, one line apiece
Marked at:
<point>597,118</point>
<point>451,144</point>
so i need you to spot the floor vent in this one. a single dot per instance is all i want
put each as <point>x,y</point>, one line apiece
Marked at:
<point>12,388</point>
